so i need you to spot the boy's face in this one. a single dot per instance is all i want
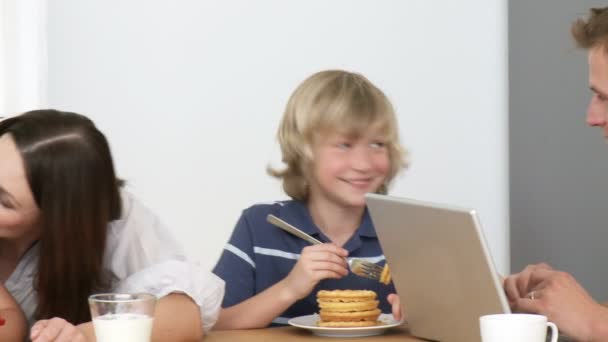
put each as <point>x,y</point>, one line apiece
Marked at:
<point>597,112</point>
<point>345,169</point>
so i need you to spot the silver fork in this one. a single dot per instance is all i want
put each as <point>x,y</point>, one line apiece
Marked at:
<point>360,267</point>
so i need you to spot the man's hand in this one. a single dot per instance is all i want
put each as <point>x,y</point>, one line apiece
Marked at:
<point>518,285</point>
<point>565,302</point>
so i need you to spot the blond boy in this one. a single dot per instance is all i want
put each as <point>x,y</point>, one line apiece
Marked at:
<point>339,140</point>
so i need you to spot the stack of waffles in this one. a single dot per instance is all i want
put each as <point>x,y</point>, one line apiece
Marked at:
<point>348,308</point>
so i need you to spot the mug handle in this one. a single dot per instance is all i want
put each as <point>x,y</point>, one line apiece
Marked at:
<point>554,331</point>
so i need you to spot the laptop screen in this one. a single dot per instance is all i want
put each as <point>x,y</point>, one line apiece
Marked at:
<point>440,264</point>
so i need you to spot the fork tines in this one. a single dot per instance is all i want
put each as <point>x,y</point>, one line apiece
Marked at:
<point>366,269</point>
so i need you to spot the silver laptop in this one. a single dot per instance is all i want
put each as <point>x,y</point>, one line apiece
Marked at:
<point>440,265</point>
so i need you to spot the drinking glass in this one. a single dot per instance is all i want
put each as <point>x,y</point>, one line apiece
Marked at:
<point>122,317</point>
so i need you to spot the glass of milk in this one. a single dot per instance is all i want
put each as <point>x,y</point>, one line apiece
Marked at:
<point>121,317</point>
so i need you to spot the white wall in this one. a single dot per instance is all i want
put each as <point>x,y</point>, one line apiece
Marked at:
<point>190,94</point>
<point>23,58</point>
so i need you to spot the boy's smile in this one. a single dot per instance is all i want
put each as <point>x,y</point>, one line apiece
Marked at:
<point>361,183</point>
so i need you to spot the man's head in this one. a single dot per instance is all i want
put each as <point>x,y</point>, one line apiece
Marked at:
<point>592,34</point>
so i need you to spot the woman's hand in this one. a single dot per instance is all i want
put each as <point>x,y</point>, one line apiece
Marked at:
<point>56,330</point>
<point>316,263</point>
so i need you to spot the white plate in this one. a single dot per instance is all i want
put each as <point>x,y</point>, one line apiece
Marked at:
<point>310,323</point>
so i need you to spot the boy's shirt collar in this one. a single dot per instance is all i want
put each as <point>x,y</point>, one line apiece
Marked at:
<point>367,227</point>
<point>297,214</point>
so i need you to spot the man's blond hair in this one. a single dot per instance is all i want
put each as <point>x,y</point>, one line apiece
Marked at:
<point>333,101</point>
<point>592,32</point>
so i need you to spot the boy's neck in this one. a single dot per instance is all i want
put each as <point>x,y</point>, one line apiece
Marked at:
<point>338,223</point>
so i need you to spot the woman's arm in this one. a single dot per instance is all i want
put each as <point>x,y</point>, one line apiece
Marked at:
<point>176,318</point>
<point>13,326</point>
<point>145,257</point>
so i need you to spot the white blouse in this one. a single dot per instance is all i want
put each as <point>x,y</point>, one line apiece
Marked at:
<point>141,256</point>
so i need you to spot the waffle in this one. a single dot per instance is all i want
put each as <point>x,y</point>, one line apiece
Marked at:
<point>385,276</point>
<point>348,324</point>
<point>348,308</point>
<point>345,295</point>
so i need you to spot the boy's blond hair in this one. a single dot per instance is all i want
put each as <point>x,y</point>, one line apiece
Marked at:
<point>333,101</point>
<point>592,32</point>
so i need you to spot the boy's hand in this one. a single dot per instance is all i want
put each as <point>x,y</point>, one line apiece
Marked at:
<point>57,330</point>
<point>316,263</point>
<point>395,302</point>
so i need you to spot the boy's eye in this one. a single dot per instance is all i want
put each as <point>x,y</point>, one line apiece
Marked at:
<point>378,144</point>
<point>343,145</point>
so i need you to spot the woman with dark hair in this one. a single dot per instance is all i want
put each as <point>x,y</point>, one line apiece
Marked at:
<point>68,230</point>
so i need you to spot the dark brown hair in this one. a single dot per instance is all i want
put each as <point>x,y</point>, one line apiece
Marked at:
<point>592,32</point>
<point>71,175</point>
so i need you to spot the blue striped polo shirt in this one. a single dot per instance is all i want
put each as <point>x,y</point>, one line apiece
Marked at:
<point>258,255</point>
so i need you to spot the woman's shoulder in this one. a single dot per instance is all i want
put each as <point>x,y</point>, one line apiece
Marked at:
<point>135,216</point>
<point>132,205</point>
<point>128,201</point>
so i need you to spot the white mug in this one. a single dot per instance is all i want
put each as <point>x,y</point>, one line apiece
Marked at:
<point>516,327</point>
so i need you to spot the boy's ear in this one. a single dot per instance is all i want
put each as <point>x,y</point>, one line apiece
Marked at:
<point>383,189</point>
